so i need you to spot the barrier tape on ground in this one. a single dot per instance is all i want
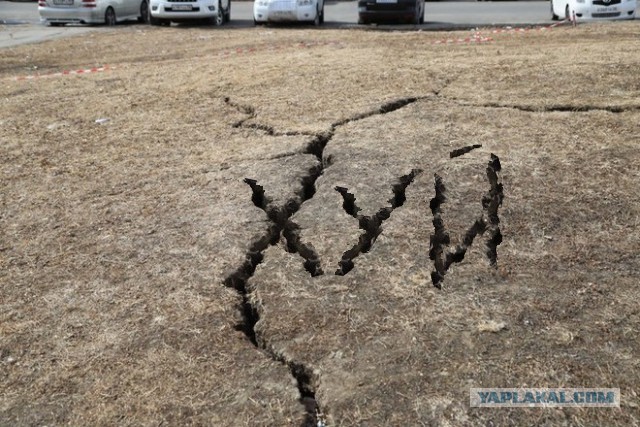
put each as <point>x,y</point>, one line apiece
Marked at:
<point>65,73</point>
<point>250,50</point>
<point>476,38</point>
<point>523,30</point>
<point>224,53</point>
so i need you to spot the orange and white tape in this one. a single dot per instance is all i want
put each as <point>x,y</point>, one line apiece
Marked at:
<point>65,73</point>
<point>479,37</point>
<point>476,38</point>
<point>254,49</point>
<point>523,30</point>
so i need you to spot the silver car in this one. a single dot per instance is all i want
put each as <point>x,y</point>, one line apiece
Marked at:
<point>60,12</point>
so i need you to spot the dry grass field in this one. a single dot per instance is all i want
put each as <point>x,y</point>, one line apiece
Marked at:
<point>235,227</point>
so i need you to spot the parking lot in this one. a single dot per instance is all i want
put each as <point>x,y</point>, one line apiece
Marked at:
<point>236,225</point>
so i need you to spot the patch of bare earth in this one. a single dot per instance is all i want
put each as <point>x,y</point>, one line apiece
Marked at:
<point>236,227</point>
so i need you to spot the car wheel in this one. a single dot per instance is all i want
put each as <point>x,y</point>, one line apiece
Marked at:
<point>219,18</point>
<point>554,17</point>
<point>416,16</point>
<point>144,12</point>
<point>110,17</point>
<point>227,13</point>
<point>56,24</point>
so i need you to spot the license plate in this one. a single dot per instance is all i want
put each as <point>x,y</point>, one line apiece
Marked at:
<point>182,7</point>
<point>386,1</point>
<point>63,2</point>
<point>281,7</point>
<point>607,9</point>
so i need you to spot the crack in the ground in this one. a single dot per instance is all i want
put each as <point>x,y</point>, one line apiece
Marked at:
<point>294,244</point>
<point>282,227</point>
<point>371,224</point>
<point>238,280</point>
<point>561,108</point>
<point>385,108</point>
<point>251,114</point>
<point>565,108</point>
<point>464,150</point>
<point>281,218</point>
<point>491,202</point>
<point>489,221</point>
<point>244,109</point>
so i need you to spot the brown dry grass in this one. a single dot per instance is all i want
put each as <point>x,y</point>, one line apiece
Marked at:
<point>115,239</point>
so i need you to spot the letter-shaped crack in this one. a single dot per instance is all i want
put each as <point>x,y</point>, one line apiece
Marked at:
<point>280,225</point>
<point>439,242</point>
<point>371,225</point>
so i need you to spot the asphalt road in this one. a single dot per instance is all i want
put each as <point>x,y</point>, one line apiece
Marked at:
<point>345,12</point>
<point>22,22</point>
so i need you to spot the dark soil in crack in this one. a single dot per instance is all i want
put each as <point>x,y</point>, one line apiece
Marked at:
<point>371,225</point>
<point>439,251</point>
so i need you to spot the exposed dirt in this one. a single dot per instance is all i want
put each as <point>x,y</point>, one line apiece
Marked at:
<point>245,226</point>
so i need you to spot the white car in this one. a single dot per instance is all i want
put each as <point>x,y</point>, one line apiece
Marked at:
<point>288,11</point>
<point>60,12</point>
<point>163,12</point>
<point>592,10</point>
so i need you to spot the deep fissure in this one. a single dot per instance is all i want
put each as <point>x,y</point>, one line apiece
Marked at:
<point>371,224</point>
<point>385,108</point>
<point>488,222</point>
<point>566,108</point>
<point>491,202</point>
<point>464,150</point>
<point>238,280</point>
<point>558,108</point>
<point>282,226</point>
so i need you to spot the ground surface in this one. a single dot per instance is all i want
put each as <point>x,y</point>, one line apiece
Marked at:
<point>159,222</point>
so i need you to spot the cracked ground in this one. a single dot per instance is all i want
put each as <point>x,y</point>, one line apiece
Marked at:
<point>285,227</point>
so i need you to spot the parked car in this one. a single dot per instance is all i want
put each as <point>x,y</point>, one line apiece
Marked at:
<point>215,12</point>
<point>60,12</point>
<point>592,10</point>
<point>391,11</point>
<point>288,11</point>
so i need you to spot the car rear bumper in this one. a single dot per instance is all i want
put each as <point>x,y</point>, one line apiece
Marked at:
<point>70,15</point>
<point>283,11</point>
<point>170,9</point>
<point>377,10</point>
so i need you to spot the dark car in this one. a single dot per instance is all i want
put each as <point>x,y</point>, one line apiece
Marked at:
<point>390,11</point>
